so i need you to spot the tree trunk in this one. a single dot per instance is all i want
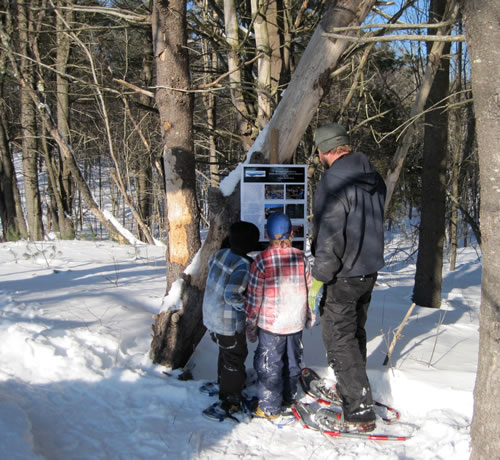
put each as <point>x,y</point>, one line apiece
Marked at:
<point>287,45</point>
<point>175,332</point>
<point>455,170</point>
<point>210,65</point>
<point>145,169</point>
<point>273,32</point>
<point>29,130</point>
<point>11,212</point>
<point>235,76</point>
<point>64,186</point>
<point>481,21</point>
<point>459,119</point>
<point>263,35</point>
<point>13,224</point>
<point>429,273</point>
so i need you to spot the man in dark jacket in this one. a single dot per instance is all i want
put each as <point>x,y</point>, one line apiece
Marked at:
<point>348,246</point>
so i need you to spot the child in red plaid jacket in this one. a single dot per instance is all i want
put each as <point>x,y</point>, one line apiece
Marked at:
<point>278,311</point>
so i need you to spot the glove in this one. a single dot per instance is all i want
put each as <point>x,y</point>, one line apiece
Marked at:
<point>313,293</point>
<point>251,331</point>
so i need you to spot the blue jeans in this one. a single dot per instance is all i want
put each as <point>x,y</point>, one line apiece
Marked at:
<point>277,362</point>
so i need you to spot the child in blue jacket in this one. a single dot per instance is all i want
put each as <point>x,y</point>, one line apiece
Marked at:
<point>224,312</point>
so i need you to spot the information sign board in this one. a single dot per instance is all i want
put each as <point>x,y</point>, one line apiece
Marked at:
<point>275,188</point>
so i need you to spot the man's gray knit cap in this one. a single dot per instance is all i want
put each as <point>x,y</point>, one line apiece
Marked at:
<point>330,136</point>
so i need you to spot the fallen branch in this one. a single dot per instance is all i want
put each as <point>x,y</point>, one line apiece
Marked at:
<point>397,334</point>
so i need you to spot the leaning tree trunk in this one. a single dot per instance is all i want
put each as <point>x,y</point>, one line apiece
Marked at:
<point>174,332</point>
<point>311,80</point>
<point>429,272</point>
<point>179,330</point>
<point>483,40</point>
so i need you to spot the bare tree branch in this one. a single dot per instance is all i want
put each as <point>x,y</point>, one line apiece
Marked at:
<point>392,38</point>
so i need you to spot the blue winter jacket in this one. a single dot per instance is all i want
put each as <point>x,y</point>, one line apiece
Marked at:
<point>224,298</point>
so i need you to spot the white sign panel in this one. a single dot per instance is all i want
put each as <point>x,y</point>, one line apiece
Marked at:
<point>275,188</point>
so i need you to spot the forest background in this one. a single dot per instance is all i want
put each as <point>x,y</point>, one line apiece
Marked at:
<point>152,104</point>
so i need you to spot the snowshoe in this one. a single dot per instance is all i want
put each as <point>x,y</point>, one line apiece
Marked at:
<point>305,415</point>
<point>318,388</point>
<point>222,410</point>
<point>210,388</point>
<point>330,418</point>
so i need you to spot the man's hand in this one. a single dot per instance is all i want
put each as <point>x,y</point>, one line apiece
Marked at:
<point>313,292</point>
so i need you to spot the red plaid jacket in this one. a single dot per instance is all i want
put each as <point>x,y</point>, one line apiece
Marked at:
<point>280,277</point>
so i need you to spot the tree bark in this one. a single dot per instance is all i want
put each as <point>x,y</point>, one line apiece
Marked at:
<point>235,76</point>
<point>429,272</point>
<point>13,224</point>
<point>481,21</point>
<point>457,149</point>
<point>145,164</point>
<point>175,332</point>
<point>260,9</point>
<point>175,104</point>
<point>11,212</point>
<point>64,184</point>
<point>29,129</point>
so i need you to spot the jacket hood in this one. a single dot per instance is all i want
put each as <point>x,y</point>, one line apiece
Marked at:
<point>352,169</point>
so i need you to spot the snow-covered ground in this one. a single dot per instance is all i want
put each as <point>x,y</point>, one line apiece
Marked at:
<point>76,381</point>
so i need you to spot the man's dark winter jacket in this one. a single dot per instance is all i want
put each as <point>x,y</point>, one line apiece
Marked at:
<point>348,224</point>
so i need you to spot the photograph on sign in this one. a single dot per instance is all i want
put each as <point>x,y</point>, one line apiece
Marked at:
<point>274,192</point>
<point>295,192</point>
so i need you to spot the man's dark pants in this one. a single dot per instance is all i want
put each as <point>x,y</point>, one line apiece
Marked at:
<point>343,318</point>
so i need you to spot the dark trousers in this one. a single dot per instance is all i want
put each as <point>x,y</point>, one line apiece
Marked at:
<point>277,361</point>
<point>231,373</point>
<point>343,318</point>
